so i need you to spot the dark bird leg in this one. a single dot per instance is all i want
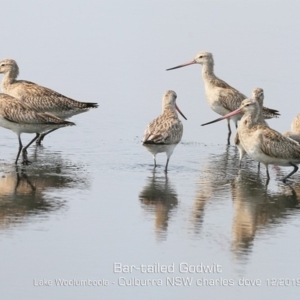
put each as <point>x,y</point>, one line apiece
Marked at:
<point>41,136</point>
<point>290,174</point>
<point>268,175</point>
<point>154,158</point>
<point>20,148</point>
<point>166,168</point>
<point>229,131</point>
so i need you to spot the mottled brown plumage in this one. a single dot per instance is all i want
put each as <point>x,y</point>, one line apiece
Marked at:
<point>262,143</point>
<point>22,118</point>
<point>258,95</point>
<point>221,97</point>
<point>165,132</point>
<point>39,97</point>
<point>295,130</point>
<point>275,145</point>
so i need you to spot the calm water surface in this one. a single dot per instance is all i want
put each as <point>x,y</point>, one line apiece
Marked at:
<point>77,211</point>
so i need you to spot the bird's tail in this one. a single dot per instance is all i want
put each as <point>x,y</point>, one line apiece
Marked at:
<point>51,119</point>
<point>88,105</point>
<point>269,113</point>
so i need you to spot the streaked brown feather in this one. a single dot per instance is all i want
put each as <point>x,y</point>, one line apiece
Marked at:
<point>166,129</point>
<point>276,145</point>
<point>16,111</point>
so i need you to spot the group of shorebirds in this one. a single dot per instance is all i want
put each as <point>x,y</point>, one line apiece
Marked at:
<point>254,137</point>
<point>26,107</point>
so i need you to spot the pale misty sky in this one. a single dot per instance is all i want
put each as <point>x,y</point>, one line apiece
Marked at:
<point>116,53</point>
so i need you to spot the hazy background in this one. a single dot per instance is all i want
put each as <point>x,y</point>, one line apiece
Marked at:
<point>115,53</point>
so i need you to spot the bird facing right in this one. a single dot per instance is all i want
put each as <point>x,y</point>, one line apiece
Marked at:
<point>165,132</point>
<point>40,98</point>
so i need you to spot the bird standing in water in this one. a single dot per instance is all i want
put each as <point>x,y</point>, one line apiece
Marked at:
<point>21,118</point>
<point>262,143</point>
<point>258,95</point>
<point>165,132</point>
<point>40,98</point>
<point>221,97</point>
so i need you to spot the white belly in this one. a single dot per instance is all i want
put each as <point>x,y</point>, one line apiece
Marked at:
<point>154,149</point>
<point>26,128</point>
<point>253,149</point>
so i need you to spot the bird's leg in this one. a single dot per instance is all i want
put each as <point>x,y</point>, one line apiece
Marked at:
<point>24,152</point>
<point>41,136</point>
<point>229,131</point>
<point>241,154</point>
<point>154,158</point>
<point>39,139</point>
<point>166,168</point>
<point>25,148</point>
<point>258,166</point>
<point>228,138</point>
<point>20,148</point>
<point>290,174</point>
<point>268,175</point>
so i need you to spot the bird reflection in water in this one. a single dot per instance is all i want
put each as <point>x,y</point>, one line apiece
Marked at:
<point>158,197</point>
<point>258,209</point>
<point>213,184</point>
<point>24,192</point>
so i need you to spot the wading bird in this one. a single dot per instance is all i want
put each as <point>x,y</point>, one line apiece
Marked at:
<point>21,118</point>
<point>262,143</point>
<point>165,132</point>
<point>221,97</point>
<point>39,97</point>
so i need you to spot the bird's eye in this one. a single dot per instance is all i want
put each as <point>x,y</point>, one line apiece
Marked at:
<point>201,56</point>
<point>2,65</point>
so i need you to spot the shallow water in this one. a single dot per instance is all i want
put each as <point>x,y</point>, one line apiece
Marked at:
<point>81,213</point>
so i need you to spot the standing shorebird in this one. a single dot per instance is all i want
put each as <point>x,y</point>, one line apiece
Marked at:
<point>21,118</point>
<point>258,95</point>
<point>221,97</point>
<point>295,130</point>
<point>39,97</point>
<point>262,143</point>
<point>165,132</point>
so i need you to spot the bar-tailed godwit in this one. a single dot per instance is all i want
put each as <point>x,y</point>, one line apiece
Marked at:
<point>221,97</point>
<point>39,97</point>
<point>165,132</point>
<point>21,118</point>
<point>262,143</point>
<point>258,95</point>
<point>295,130</point>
